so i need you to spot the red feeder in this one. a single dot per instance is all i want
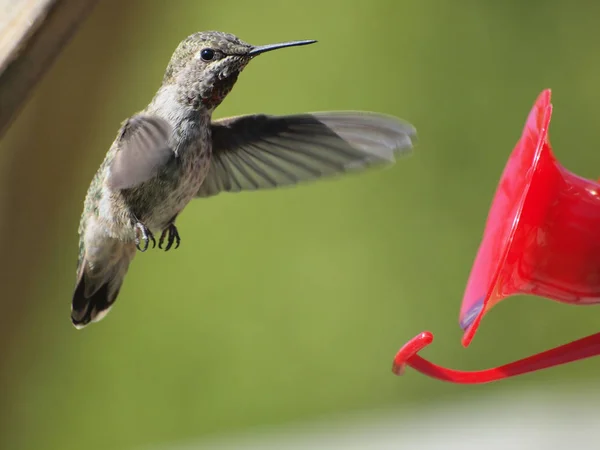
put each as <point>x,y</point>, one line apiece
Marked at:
<point>542,237</point>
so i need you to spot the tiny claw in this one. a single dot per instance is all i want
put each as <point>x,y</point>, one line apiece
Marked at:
<point>173,237</point>
<point>162,238</point>
<point>146,236</point>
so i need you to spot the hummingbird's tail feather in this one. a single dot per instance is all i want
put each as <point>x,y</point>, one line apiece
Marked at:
<point>91,309</point>
<point>97,289</point>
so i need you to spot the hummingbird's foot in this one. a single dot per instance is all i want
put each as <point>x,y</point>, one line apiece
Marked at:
<point>143,234</point>
<point>171,230</point>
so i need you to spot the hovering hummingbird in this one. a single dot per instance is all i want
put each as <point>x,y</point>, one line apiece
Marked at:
<point>173,151</point>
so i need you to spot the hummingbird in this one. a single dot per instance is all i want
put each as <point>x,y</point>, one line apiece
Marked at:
<point>173,151</point>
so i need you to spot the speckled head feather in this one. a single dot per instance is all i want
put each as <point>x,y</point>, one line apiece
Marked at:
<point>206,65</point>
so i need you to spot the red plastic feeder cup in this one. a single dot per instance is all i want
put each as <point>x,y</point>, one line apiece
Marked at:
<point>542,237</point>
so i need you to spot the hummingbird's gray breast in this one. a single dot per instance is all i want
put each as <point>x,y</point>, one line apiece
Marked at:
<point>159,200</point>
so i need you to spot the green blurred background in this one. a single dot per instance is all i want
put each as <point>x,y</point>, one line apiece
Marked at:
<point>288,305</point>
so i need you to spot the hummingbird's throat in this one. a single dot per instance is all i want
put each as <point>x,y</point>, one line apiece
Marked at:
<point>219,91</point>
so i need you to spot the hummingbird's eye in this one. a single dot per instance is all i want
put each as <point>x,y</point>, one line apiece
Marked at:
<point>207,54</point>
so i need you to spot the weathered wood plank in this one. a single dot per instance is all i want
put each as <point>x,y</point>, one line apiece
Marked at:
<point>32,35</point>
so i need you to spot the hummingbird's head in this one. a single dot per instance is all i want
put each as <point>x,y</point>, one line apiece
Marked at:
<point>206,65</point>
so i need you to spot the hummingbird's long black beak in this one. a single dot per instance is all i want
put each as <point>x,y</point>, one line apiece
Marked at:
<point>267,48</point>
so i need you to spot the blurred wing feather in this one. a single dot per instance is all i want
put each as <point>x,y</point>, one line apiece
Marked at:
<point>142,149</point>
<point>260,152</point>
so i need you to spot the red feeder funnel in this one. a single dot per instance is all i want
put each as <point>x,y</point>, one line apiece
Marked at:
<point>542,237</point>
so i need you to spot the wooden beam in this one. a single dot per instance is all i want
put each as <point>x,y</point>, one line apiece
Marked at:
<point>32,35</point>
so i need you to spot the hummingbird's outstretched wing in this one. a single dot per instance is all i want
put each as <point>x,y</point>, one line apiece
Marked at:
<point>260,152</point>
<point>142,149</point>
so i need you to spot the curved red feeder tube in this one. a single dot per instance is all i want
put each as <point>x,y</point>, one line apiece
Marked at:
<point>408,356</point>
